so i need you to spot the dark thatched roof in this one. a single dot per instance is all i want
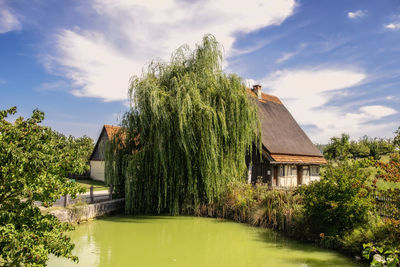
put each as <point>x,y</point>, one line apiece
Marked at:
<point>280,132</point>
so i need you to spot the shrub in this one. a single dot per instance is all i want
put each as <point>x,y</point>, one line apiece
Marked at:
<point>380,257</point>
<point>341,200</point>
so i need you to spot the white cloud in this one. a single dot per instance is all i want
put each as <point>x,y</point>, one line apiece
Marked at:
<point>306,93</point>
<point>100,63</point>
<point>52,86</point>
<point>377,111</point>
<point>96,68</point>
<point>250,82</point>
<point>393,26</point>
<point>8,19</point>
<point>356,14</point>
<point>287,56</point>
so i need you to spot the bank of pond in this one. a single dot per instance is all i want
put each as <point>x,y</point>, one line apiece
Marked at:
<point>189,241</point>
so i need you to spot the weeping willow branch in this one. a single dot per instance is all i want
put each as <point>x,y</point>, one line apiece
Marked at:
<point>186,135</point>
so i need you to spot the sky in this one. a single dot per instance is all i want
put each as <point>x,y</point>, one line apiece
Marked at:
<point>334,64</point>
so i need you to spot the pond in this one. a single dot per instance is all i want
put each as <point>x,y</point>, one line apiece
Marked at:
<point>189,241</point>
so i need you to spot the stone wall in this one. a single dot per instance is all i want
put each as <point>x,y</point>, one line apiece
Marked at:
<point>76,214</point>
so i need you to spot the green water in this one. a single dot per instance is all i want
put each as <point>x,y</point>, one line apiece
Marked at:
<point>189,241</point>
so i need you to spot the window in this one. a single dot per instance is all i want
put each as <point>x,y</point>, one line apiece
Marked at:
<point>281,170</point>
<point>315,170</point>
<point>293,170</point>
<point>306,171</point>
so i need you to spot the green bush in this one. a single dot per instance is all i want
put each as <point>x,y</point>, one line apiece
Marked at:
<point>378,256</point>
<point>340,201</point>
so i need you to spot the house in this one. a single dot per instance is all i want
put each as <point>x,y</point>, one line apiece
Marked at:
<point>97,158</point>
<point>289,158</point>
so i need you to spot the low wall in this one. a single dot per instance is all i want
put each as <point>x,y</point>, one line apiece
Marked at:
<point>77,214</point>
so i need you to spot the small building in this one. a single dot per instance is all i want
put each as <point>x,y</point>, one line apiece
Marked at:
<point>97,158</point>
<point>289,158</point>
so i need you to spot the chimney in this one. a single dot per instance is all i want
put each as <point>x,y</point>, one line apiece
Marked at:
<point>257,90</point>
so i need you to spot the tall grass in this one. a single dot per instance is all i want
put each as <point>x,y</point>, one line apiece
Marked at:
<point>278,210</point>
<point>257,205</point>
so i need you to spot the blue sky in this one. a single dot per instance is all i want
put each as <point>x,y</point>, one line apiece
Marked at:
<point>335,64</point>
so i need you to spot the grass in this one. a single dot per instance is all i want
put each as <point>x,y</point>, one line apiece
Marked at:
<point>97,185</point>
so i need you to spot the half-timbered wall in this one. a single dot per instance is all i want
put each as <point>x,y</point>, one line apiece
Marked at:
<point>259,168</point>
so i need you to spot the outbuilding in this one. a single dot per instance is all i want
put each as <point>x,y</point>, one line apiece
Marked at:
<point>97,158</point>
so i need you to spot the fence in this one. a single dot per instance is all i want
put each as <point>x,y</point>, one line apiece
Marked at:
<point>388,206</point>
<point>91,197</point>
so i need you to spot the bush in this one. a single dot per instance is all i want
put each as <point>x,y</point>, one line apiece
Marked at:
<point>381,257</point>
<point>340,201</point>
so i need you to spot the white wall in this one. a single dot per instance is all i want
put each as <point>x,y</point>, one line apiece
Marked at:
<point>288,180</point>
<point>97,170</point>
<point>312,175</point>
<point>291,180</point>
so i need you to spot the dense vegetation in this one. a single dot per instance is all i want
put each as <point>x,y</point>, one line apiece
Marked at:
<point>340,211</point>
<point>186,135</point>
<point>355,207</point>
<point>34,165</point>
<point>341,148</point>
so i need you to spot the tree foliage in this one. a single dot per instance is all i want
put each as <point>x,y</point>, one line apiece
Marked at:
<point>338,148</point>
<point>186,135</point>
<point>341,148</point>
<point>396,139</point>
<point>389,171</point>
<point>34,164</point>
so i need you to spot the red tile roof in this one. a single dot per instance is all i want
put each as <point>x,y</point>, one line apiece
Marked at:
<point>111,130</point>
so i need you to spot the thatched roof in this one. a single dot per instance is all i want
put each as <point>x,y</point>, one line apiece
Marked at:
<point>281,136</point>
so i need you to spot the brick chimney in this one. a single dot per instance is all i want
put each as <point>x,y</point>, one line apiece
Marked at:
<point>257,90</point>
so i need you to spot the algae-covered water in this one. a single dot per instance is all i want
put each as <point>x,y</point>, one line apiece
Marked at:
<point>189,241</point>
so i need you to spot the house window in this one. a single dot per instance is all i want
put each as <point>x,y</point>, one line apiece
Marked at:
<point>315,170</point>
<point>293,170</point>
<point>306,171</point>
<point>281,170</point>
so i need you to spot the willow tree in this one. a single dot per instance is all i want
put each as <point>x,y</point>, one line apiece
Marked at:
<point>186,134</point>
